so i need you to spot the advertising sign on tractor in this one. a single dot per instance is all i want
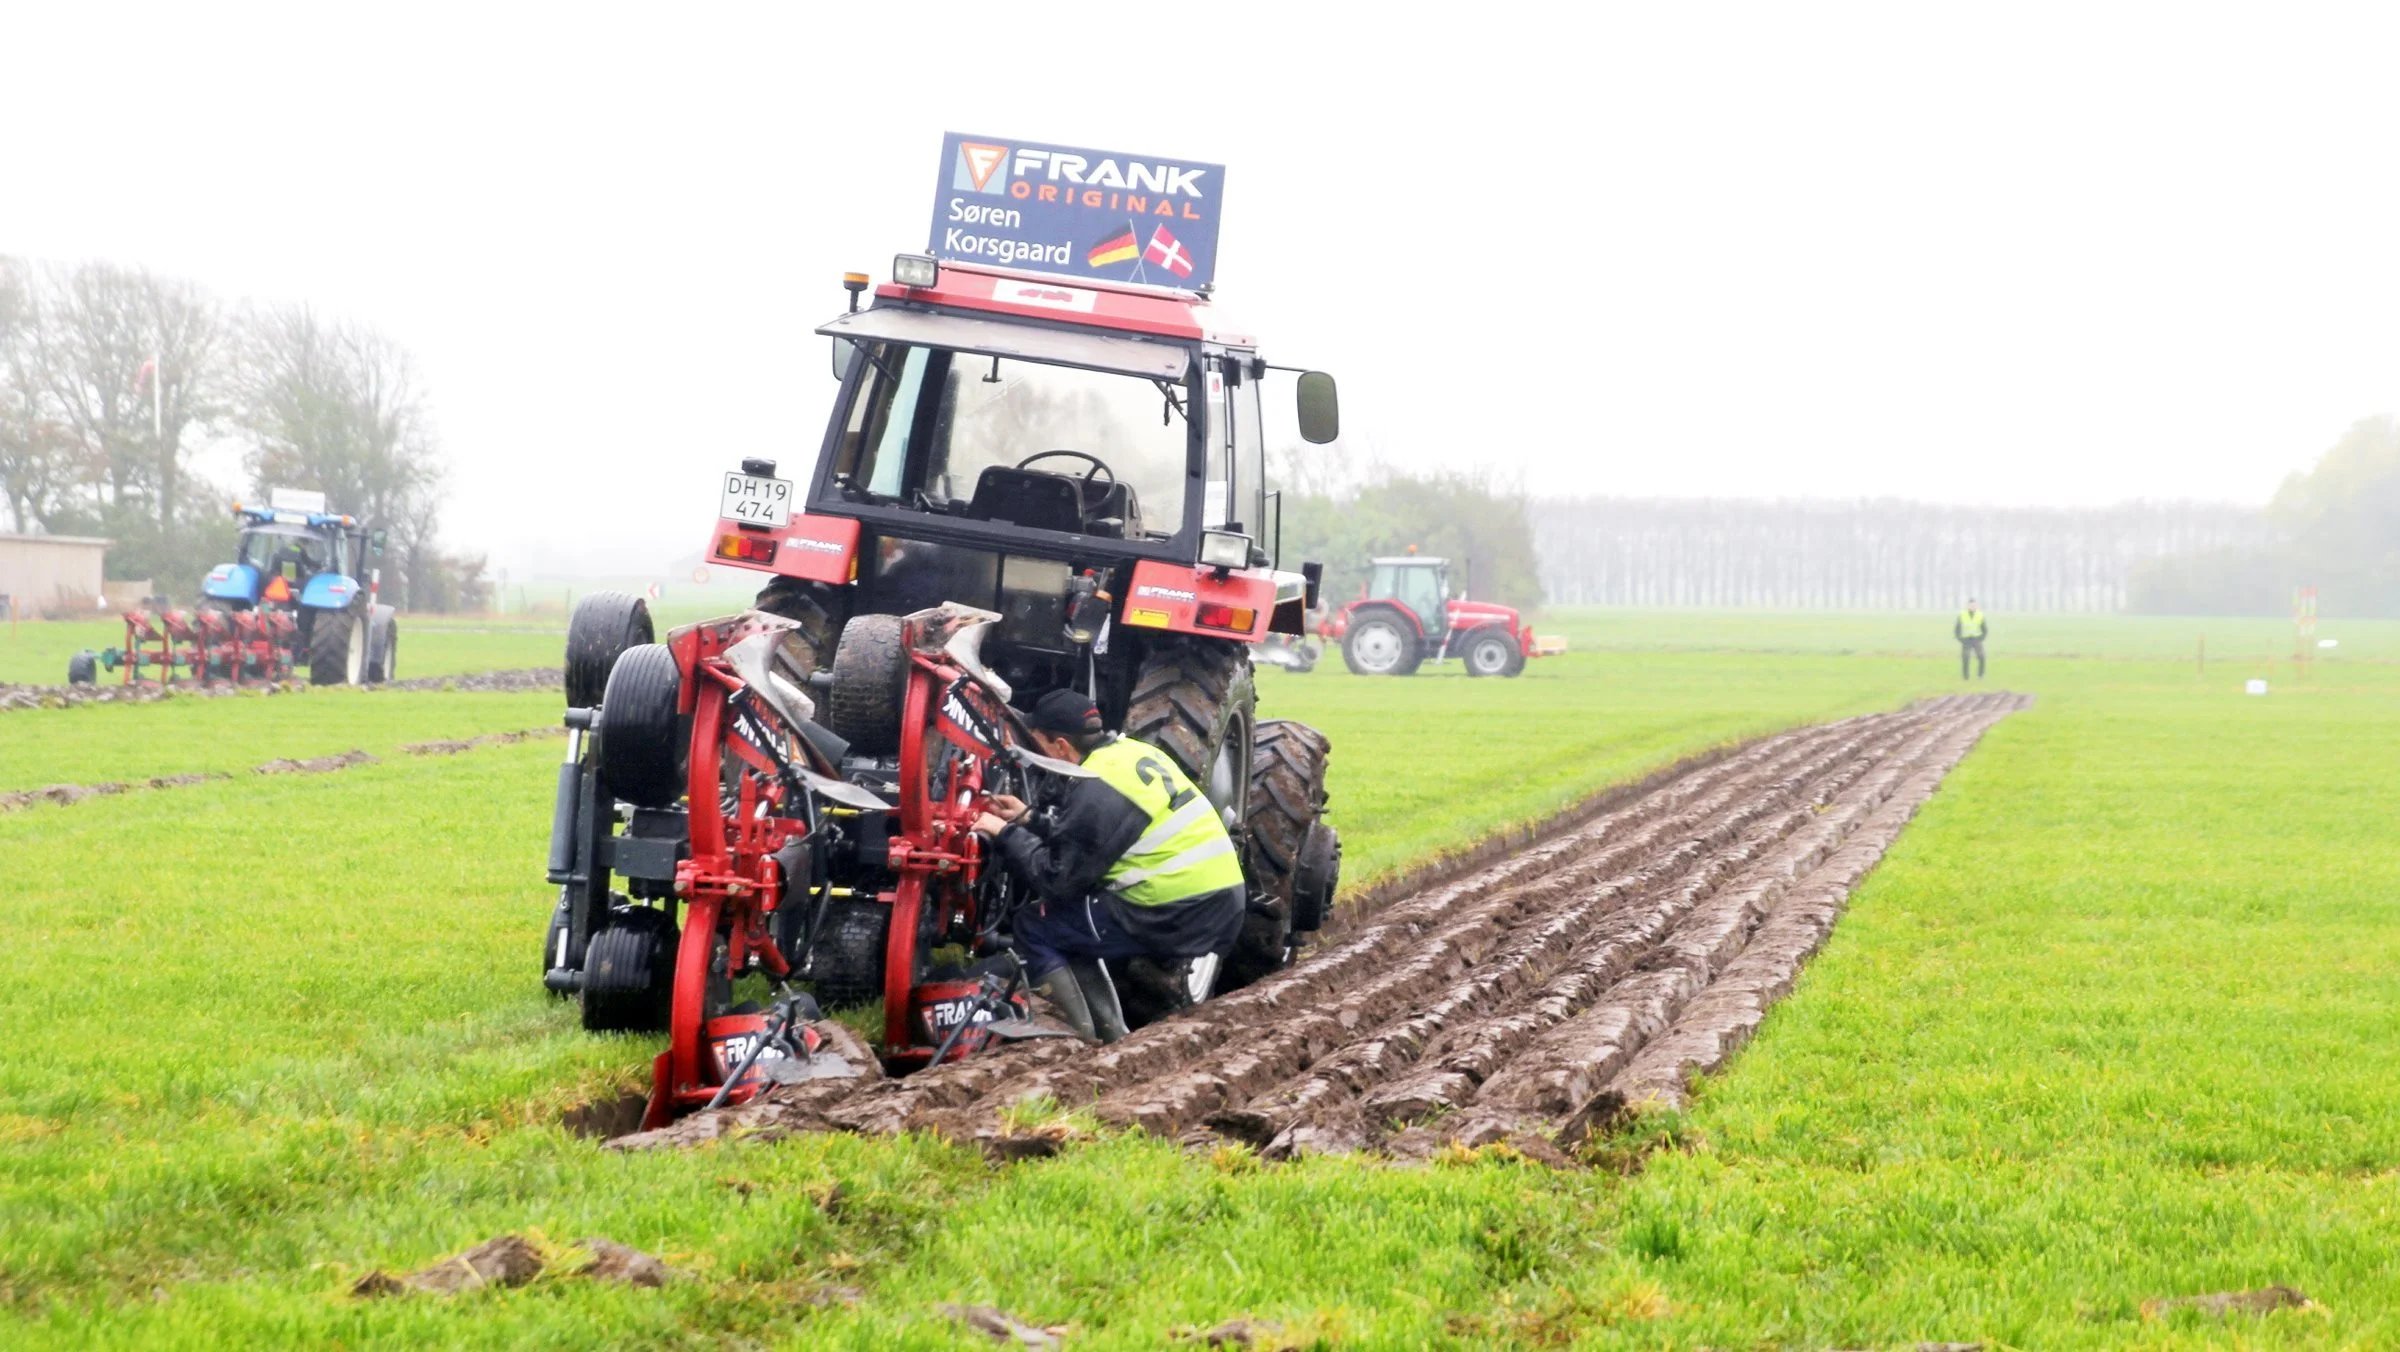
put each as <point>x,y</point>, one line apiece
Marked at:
<point>1077,212</point>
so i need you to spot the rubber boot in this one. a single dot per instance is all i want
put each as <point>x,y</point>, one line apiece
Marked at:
<point>1065,994</point>
<point>1108,1017</point>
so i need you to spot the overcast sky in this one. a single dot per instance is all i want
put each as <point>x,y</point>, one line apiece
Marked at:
<point>2008,254</point>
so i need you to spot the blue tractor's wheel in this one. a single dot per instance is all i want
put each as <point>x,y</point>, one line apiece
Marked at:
<point>337,648</point>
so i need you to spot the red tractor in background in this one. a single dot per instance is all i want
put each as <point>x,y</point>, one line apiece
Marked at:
<point>1406,616</point>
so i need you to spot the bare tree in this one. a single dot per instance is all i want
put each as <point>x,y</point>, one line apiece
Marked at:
<point>130,362</point>
<point>336,406</point>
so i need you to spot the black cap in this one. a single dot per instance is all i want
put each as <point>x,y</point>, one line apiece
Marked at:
<point>1064,713</point>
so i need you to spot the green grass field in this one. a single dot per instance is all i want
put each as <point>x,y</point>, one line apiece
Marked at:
<point>2115,1020</point>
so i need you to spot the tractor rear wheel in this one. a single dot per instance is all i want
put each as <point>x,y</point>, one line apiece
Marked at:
<point>1380,643</point>
<point>642,748</point>
<point>1493,652</point>
<point>629,972</point>
<point>1287,801</point>
<point>870,684</point>
<point>1195,699</point>
<point>846,964</point>
<point>794,599</point>
<point>337,648</point>
<point>604,625</point>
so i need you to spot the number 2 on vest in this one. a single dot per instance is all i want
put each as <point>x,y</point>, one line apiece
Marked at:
<point>1149,771</point>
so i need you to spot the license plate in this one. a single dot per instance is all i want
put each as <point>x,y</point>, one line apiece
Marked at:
<point>755,501</point>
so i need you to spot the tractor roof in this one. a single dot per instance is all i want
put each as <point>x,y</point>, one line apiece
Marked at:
<point>1151,310</point>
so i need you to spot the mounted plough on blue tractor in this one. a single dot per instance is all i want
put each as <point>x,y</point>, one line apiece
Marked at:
<point>290,599</point>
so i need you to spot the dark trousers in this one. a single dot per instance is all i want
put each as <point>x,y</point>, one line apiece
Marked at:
<point>1052,935</point>
<point>1970,647</point>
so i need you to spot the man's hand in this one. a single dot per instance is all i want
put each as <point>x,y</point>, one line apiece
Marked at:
<point>989,826</point>
<point>1006,807</point>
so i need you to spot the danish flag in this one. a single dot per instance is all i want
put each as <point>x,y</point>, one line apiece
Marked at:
<point>1168,252</point>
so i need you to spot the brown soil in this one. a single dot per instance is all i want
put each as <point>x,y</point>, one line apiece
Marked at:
<point>452,748</point>
<point>1528,993</point>
<point>63,696</point>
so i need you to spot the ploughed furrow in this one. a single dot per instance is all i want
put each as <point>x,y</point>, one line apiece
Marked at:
<point>1585,974</point>
<point>1269,1030</point>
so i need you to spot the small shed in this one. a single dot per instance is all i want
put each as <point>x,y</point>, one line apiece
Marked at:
<point>46,574</point>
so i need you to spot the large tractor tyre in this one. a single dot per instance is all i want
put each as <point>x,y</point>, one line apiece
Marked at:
<point>383,645</point>
<point>603,626</point>
<point>792,598</point>
<point>846,964</point>
<point>870,685</point>
<point>83,668</point>
<point>337,648</point>
<point>1287,802</point>
<point>629,972</point>
<point>1492,652</point>
<point>642,746</point>
<point>1381,643</point>
<point>1196,699</point>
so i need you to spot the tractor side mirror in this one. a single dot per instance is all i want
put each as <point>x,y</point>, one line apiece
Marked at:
<point>1320,411</point>
<point>843,350</point>
<point>1315,573</point>
<point>377,541</point>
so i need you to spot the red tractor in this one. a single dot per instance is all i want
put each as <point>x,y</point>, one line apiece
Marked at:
<point>1027,484</point>
<point>1392,628</point>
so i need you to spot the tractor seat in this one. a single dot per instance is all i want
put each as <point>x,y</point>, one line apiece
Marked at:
<point>1027,497</point>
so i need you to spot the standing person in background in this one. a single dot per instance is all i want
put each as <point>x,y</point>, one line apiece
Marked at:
<point>1969,632</point>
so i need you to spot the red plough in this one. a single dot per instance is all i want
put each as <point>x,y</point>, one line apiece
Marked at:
<point>781,814</point>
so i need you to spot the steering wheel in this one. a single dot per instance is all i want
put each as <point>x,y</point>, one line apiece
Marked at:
<point>1090,476</point>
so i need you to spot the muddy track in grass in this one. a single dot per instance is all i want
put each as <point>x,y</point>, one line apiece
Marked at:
<point>1520,998</point>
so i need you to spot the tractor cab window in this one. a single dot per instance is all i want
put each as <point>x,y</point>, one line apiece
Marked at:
<point>1417,586</point>
<point>294,555</point>
<point>1006,439</point>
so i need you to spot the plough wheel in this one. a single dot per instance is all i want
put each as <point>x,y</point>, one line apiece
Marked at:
<point>642,742</point>
<point>604,625</point>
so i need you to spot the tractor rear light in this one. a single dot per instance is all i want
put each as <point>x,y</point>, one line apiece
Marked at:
<point>1217,615</point>
<point>745,548</point>
<point>1224,549</point>
<point>915,270</point>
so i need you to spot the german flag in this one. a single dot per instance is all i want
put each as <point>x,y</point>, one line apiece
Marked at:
<point>1120,246</point>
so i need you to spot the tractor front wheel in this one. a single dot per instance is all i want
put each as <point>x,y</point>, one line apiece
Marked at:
<point>1491,652</point>
<point>846,964</point>
<point>870,684</point>
<point>1381,644</point>
<point>337,648</point>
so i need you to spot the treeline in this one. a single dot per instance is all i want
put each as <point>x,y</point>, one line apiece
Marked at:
<point>1343,522</point>
<point>2335,528</point>
<point>113,379</point>
<point>1866,555</point>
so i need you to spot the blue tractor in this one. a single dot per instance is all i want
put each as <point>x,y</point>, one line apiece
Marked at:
<point>292,597</point>
<point>299,559</point>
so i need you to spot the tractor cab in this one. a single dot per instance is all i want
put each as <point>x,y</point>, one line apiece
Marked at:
<point>1420,585</point>
<point>1080,458</point>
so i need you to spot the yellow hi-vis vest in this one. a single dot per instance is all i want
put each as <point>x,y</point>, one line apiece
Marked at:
<point>1970,624</point>
<point>1185,852</point>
